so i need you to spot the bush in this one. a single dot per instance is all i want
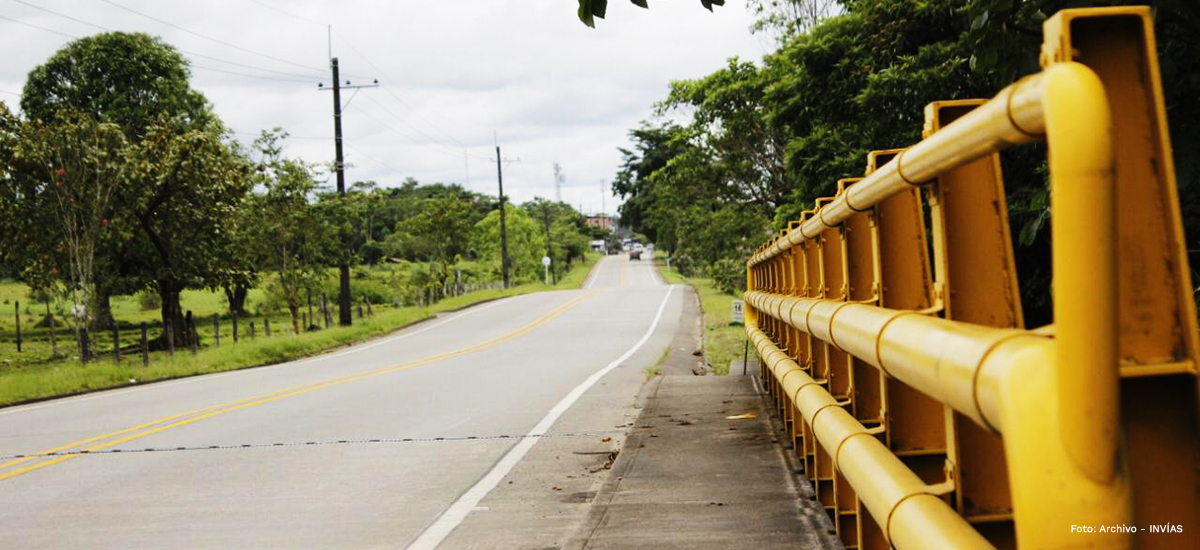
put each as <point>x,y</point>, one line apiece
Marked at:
<point>148,300</point>
<point>729,275</point>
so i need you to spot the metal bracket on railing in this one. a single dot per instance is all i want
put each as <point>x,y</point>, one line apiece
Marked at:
<point>939,303</point>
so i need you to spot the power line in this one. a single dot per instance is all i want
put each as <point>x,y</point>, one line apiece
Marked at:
<point>181,50</point>
<point>288,13</point>
<point>50,11</point>
<point>377,161</point>
<point>414,128</point>
<point>432,142</point>
<point>441,149</point>
<point>252,134</point>
<point>210,38</point>
<point>39,27</point>
<point>248,75</point>
<point>393,93</point>
<point>10,93</point>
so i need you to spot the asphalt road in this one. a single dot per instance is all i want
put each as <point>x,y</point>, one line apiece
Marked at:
<point>312,454</point>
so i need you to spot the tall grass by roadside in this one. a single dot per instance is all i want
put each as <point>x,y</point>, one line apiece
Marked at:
<point>69,377</point>
<point>722,342</point>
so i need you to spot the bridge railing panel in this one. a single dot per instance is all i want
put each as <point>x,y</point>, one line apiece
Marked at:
<point>924,413</point>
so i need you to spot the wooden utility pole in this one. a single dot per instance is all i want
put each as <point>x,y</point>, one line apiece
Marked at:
<point>504,261</point>
<point>503,233</point>
<point>344,315</point>
<point>344,268</point>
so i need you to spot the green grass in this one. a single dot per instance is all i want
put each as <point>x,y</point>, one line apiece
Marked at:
<point>656,368</point>
<point>723,342</point>
<point>32,375</point>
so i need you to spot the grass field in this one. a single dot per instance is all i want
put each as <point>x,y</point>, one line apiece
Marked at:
<point>723,342</point>
<point>33,374</point>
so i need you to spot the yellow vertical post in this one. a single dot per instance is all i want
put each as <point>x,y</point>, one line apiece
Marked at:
<point>1082,194</point>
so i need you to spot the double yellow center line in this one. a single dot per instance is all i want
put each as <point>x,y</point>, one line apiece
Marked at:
<point>112,439</point>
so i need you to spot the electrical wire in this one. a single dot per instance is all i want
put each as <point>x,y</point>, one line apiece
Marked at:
<point>212,39</point>
<point>39,27</point>
<point>247,75</point>
<point>181,50</point>
<point>254,135</point>
<point>288,13</point>
<point>414,128</point>
<point>431,145</point>
<point>377,161</point>
<point>389,91</point>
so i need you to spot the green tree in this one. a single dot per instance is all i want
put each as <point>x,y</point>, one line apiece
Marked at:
<point>589,10</point>
<point>58,197</point>
<point>289,234</point>
<point>189,186</point>
<point>566,234</point>
<point>183,181</point>
<point>439,232</point>
<point>526,243</point>
<point>654,146</point>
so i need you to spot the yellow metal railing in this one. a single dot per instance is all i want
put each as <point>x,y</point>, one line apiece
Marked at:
<point>924,413</point>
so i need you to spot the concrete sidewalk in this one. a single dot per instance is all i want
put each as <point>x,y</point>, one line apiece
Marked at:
<point>691,477</point>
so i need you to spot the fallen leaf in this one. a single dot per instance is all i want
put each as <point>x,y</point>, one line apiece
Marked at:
<point>606,440</point>
<point>746,416</point>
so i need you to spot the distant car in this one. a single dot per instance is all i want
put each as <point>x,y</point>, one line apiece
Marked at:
<point>635,254</point>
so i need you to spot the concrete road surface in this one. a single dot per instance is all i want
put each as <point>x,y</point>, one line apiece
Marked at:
<point>389,444</point>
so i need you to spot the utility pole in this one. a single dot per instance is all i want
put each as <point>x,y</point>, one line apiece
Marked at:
<point>503,233</point>
<point>558,181</point>
<point>549,246</point>
<point>603,207</point>
<point>344,314</point>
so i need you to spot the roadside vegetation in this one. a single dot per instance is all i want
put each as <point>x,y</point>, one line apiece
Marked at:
<point>730,157</point>
<point>723,342</point>
<point>23,380</point>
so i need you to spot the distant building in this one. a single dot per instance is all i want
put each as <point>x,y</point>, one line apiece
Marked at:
<point>603,221</point>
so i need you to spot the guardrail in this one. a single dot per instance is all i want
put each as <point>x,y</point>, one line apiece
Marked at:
<point>925,414</point>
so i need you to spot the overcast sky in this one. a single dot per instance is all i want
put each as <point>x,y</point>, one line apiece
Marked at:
<point>451,71</point>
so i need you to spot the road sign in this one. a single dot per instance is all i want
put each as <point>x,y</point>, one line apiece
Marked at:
<point>738,315</point>
<point>546,261</point>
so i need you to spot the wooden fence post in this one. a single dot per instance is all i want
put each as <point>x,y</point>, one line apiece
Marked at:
<point>195,338</point>
<point>267,327</point>
<point>17,309</point>
<point>145,345</point>
<point>116,342</point>
<point>85,345</point>
<point>325,309</point>
<point>53,337</point>
<point>252,330</point>
<point>216,330</point>
<point>233,315</point>
<point>169,334</point>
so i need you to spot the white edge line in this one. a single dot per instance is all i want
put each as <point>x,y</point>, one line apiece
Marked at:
<point>432,536</point>
<point>190,379</point>
<point>595,273</point>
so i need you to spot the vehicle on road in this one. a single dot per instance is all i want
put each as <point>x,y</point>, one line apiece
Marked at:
<point>635,254</point>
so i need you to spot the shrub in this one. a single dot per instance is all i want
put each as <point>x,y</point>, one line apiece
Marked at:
<point>729,275</point>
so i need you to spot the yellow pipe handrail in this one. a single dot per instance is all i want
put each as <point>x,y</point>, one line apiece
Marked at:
<point>1013,117</point>
<point>997,377</point>
<point>893,494</point>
